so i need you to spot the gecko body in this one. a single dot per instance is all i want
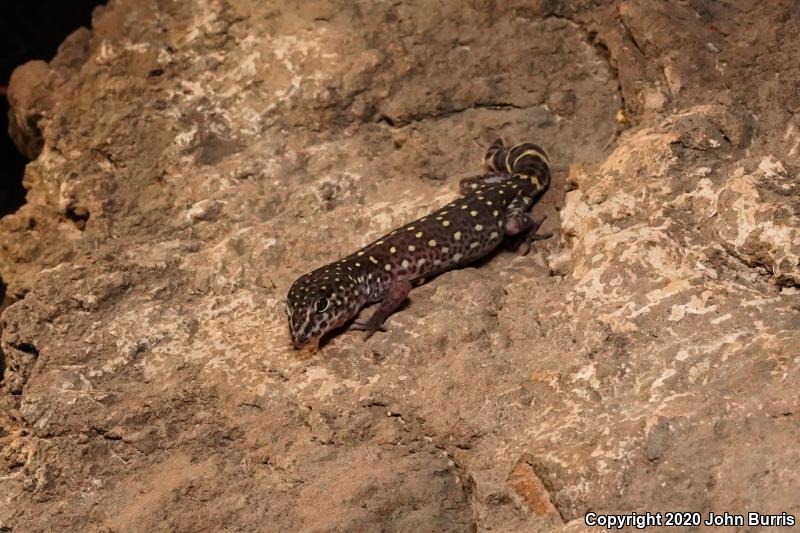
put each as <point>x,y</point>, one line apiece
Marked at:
<point>493,206</point>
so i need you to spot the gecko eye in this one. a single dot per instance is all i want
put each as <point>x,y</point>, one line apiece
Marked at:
<point>321,305</point>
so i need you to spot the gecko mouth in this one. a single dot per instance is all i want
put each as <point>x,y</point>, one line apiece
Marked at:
<point>311,341</point>
<point>306,342</point>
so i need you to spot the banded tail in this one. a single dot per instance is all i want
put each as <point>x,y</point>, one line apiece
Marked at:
<point>526,161</point>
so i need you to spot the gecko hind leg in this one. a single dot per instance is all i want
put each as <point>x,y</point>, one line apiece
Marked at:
<point>473,183</point>
<point>396,296</point>
<point>526,227</point>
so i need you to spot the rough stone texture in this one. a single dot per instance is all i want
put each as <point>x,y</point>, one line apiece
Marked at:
<point>194,158</point>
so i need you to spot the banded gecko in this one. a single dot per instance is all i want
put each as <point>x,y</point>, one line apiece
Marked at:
<point>493,205</point>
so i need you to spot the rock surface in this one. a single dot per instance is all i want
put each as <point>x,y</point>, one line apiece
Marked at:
<point>193,158</point>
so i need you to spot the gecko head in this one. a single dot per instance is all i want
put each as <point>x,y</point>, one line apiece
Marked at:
<point>319,302</point>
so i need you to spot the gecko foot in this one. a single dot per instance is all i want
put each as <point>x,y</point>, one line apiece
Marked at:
<point>395,296</point>
<point>364,325</point>
<point>532,235</point>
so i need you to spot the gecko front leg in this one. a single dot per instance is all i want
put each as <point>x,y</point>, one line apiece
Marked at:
<point>396,295</point>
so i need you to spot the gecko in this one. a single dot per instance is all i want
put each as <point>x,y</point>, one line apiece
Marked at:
<point>494,205</point>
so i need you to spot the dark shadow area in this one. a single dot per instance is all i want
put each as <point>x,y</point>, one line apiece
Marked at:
<point>29,30</point>
<point>4,302</point>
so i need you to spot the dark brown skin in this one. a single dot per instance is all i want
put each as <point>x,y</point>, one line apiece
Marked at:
<point>494,205</point>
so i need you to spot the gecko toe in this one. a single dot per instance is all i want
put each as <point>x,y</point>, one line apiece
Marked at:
<point>364,325</point>
<point>540,236</point>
